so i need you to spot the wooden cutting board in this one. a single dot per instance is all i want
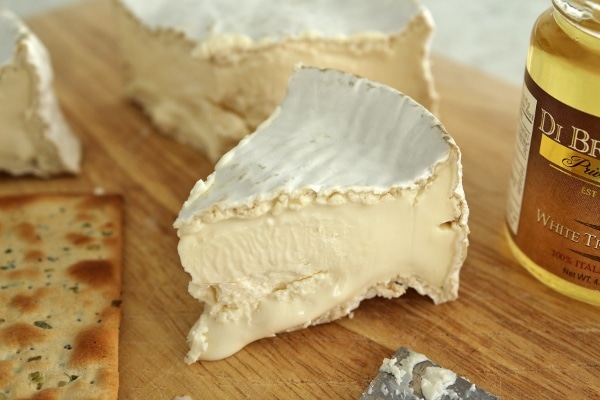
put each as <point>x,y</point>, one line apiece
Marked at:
<point>507,333</point>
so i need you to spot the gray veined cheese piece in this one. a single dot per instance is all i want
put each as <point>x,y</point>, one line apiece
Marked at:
<point>349,190</point>
<point>34,136</point>
<point>408,375</point>
<point>209,72</point>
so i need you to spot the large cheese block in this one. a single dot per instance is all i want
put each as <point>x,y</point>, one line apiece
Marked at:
<point>209,72</point>
<point>34,136</point>
<point>349,190</point>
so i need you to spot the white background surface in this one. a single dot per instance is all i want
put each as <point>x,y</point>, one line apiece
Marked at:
<point>491,35</point>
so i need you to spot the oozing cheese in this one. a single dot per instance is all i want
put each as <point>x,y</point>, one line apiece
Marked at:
<point>350,190</point>
<point>210,72</point>
<point>35,138</point>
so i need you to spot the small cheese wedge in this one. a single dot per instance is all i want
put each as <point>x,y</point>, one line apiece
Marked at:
<point>209,72</point>
<point>411,375</point>
<point>349,190</point>
<point>34,136</point>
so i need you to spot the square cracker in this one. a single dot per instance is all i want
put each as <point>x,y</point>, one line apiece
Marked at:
<point>60,296</point>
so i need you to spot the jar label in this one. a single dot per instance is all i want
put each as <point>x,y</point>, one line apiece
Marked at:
<point>553,209</point>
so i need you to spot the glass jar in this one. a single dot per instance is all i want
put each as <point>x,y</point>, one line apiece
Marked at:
<point>553,210</point>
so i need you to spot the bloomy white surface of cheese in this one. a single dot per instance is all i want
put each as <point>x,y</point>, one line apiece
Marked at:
<point>209,72</point>
<point>34,136</point>
<point>349,190</point>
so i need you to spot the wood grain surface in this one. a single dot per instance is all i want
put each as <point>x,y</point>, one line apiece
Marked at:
<point>506,333</point>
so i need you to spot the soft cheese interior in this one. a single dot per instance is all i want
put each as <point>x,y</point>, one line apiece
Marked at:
<point>35,138</point>
<point>348,191</point>
<point>210,72</point>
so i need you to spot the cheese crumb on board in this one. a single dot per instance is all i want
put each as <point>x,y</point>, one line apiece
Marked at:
<point>208,73</point>
<point>349,190</point>
<point>35,137</point>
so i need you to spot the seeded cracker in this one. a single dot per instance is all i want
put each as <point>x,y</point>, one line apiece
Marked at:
<point>60,291</point>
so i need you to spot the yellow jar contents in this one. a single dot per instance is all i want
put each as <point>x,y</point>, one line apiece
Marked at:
<point>553,216</point>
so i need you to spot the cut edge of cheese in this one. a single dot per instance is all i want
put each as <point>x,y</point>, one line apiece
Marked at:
<point>232,82</point>
<point>358,196</point>
<point>36,137</point>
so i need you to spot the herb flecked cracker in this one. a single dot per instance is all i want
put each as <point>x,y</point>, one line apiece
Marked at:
<point>60,291</point>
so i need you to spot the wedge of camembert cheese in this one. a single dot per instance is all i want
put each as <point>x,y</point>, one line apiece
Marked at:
<point>34,136</point>
<point>349,190</point>
<point>209,72</point>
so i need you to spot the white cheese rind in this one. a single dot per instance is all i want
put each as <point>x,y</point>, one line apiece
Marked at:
<point>35,137</point>
<point>208,73</point>
<point>350,190</point>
